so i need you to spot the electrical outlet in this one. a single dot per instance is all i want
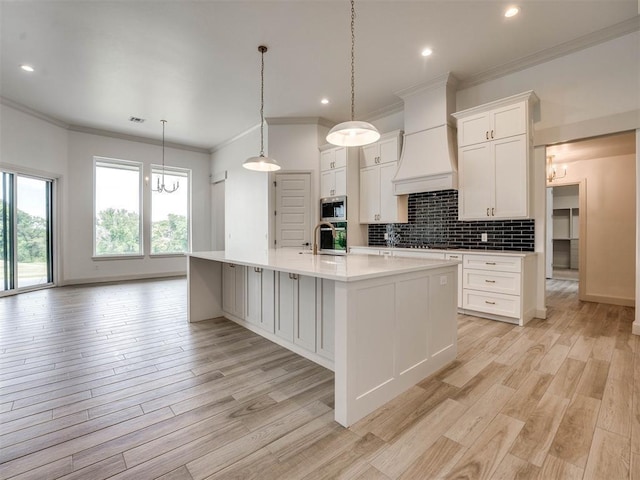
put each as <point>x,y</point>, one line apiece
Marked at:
<point>483,237</point>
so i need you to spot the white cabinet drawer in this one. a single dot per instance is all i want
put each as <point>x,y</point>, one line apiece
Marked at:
<point>490,281</point>
<point>493,262</point>
<point>495,303</point>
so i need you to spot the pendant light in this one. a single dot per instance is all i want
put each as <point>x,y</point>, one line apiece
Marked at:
<point>161,187</point>
<point>261,163</point>
<point>353,133</point>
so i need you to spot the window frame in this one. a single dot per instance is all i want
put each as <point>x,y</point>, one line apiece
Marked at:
<point>177,171</point>
<point>130,165</point>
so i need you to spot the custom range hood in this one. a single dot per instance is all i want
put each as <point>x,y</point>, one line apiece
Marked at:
<point>429,157</point>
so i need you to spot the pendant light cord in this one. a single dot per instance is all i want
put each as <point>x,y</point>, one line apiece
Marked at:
<point>262,49</point>
<point>163,122</point>
<point>353,43</point>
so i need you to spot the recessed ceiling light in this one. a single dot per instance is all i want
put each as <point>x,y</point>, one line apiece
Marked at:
<point>511,12</point>
<point>426,52</point>
<point>27,68</point>
<point>324,101</point>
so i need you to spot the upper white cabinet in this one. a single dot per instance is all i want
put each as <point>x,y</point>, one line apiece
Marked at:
<point>333,172</point>
<point>385,150</point>
<point>499,123</point>
<point>378,166</point>
<point>495,143</point>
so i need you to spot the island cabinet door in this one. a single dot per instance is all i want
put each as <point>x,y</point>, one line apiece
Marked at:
<point>325,325</point>
<point>233,289</point>
<point>260,298</point>
<point>296,319</point>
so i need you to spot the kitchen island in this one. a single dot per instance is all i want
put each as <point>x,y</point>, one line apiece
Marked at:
<point>381,324</point>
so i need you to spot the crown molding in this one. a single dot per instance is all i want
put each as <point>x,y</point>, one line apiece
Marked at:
<point>235,138</point>
<point>618,30</point>
<point>34,113</point>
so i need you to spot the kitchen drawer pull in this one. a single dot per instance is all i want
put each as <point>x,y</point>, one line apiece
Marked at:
<point>231,265</point>
<point>454,256</point>
<point>490,281</point>
<point>493,212</point>
<point>489,263</point>
<point>488,212</point>
<point>257,269</point>
<point>489,303</point>
<point>293,276</point>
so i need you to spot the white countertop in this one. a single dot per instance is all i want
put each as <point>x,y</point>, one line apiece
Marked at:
<point>449,250</point>
<point>345,268</point>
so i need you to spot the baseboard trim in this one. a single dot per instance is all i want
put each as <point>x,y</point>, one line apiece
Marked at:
<point>625,302</point>
<point>120,278</point>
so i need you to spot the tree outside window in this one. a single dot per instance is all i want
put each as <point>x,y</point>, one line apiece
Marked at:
<point>170,212</point>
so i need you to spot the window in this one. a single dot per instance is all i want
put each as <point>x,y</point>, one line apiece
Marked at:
<point>170,212</point>
<point>117,208</point>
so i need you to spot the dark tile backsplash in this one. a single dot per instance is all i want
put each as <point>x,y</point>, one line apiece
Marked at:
<point>433,221</point>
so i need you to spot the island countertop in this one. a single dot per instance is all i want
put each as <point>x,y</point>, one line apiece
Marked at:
<point>344,268</point>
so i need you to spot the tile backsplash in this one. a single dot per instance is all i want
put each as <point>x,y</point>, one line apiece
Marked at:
<point>433,220</point>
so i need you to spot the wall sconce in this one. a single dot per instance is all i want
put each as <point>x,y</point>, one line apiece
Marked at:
<point>552,174</point>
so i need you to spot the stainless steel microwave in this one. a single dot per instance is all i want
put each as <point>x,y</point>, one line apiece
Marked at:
<point>333,209</point>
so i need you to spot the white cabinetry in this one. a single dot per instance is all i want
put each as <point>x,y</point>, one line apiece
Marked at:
<point>325,324</point>
<point>495,143</point>
<point>458,257</point>
<point>333,172</point>
<point>497,123</point>
<point>233,289</point>
<point>296,319</point>
<point>500,287</point>
<point>378,165</point>
<point>260,298</point>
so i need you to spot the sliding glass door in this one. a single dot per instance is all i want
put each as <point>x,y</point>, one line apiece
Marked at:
<point>25,231</point>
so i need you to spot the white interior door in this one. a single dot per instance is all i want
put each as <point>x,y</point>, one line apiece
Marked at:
<point>293,210</point>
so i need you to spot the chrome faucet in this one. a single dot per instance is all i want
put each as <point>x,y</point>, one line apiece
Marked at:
<point>315,235</point>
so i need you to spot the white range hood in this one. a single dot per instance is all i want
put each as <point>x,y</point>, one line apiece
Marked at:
<point>429,153</point>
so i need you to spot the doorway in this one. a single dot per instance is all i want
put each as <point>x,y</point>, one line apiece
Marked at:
<point>563,230</point>
<point>26,232</point>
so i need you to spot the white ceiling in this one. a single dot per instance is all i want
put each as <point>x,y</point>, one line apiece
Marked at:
<point>196,63</point>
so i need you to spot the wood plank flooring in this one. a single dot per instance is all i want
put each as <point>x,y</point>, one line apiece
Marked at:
<point>110,381</point>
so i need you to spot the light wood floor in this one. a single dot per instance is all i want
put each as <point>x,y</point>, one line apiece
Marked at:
<point>111,382</point>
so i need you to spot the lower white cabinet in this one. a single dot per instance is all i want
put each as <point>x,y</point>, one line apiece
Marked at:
<point>233,289</point>
<point>296,319</point>
<point>458,257</point>
<point>500,287</point>
<point>325,319</point>
<point>260,298</point>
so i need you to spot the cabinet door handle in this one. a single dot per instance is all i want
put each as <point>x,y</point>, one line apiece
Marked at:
<point>489,303</point>
<point>491,133</point>
<point>489,263</point>
<point>486,134</point>
<point>257,269</point>
<point>493,212</point>
<point>231,265</point>
<point>488,212</point>
<point>490,281</point>
<point>293,276</point>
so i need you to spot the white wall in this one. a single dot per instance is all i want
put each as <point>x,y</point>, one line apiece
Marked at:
<point>78,234</point>
<point>246,196</point>
<point>582,94</point>
<point>37,146</point>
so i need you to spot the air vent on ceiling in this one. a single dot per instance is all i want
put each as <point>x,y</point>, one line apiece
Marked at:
<point>136,119</point>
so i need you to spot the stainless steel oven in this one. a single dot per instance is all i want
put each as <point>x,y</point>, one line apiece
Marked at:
<point>329,244</point>
<point>333,209</point>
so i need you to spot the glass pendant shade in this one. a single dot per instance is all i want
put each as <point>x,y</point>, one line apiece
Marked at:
<point>261,164</point>
<point>353,134</point>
